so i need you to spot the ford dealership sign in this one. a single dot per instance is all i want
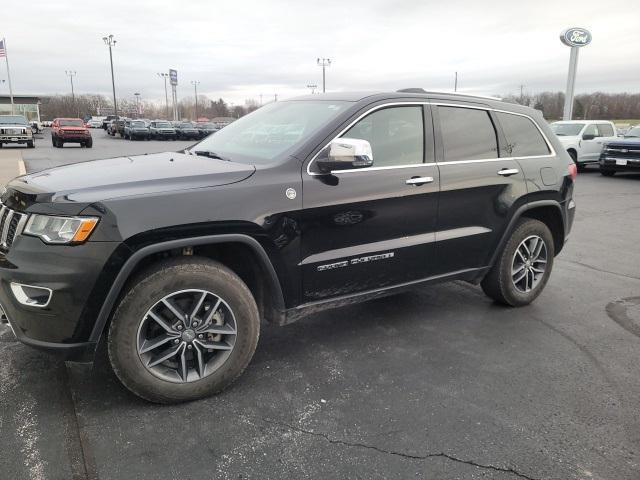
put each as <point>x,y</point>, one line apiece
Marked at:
<point>575,37</point>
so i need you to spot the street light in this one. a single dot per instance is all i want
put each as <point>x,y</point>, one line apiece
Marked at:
<point>166,95</point>
<point>110,42</point>
<point>195,84</point>
<point>71,74</point>
<point>324,63</point>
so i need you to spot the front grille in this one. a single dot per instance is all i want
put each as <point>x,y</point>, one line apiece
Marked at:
<point>623,151</point>
<point>14,131</point>
<point>11,222</point>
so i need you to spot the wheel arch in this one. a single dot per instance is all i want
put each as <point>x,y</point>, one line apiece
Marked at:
<point>548,212</point>
<point>259,273</point>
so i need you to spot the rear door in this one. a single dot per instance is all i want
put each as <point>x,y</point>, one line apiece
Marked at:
<point>373,227</point>
<point>478,186</point>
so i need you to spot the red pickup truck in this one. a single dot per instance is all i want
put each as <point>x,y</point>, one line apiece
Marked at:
<point>70,130</point>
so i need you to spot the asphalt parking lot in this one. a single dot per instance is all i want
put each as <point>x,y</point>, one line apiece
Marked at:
<point>438,383</point>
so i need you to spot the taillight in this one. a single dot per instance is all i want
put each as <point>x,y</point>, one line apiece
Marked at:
<point>573,171</point>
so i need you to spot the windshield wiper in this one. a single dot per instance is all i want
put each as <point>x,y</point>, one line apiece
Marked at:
<point>209,154</point>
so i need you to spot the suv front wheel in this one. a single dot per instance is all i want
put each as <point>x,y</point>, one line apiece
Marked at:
<point>523,268</point>
<point>186,329</point>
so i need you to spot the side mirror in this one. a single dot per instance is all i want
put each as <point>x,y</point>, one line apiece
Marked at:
<point>345,154</point>
<point>588,136</point>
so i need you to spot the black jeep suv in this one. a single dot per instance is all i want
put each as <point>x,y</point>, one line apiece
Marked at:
<point>173,259</point>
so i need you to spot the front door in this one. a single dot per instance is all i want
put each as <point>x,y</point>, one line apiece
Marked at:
<point>591,149</point>
<point>370,228</point>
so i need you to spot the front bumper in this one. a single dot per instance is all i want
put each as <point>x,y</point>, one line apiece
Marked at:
<point>72,273</point>
<point>15,138</point>
<point>620,164</point>
<point>74,138</point>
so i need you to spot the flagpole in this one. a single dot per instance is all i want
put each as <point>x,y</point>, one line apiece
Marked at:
<point>6,58</point>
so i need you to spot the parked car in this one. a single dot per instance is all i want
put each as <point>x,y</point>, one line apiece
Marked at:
<point>70,130</point>
<point>186,131</point>
<point>206,129</point>
<point>177,257</point>
<point>94,124</point>
<point>111,128</point>
<point>116,127</point>
<point>107,121</point>
<point>584,139</point>
<point>622,154</point>
<point>36,126</point>
<point>135,129</point>
<point>161,129</point>
<point>15,129</point>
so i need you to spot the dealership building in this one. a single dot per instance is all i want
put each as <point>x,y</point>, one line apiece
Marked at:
<point>22,105</point>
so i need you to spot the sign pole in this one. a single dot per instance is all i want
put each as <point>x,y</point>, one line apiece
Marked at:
<point>574,38</point>
<point>571,84</point>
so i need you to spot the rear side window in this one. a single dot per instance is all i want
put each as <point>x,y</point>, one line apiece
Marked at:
<point>467,134</point>
<point>605,130</point>
<point>523,137</point>
<point>396,135</point>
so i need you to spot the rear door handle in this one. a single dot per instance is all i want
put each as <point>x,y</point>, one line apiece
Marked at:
<point>418,180</point>
<point>507,172</point>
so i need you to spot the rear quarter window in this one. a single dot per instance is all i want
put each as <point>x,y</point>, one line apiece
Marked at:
<point>522,136</point>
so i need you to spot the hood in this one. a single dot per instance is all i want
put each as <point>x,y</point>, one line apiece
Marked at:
<point>99,180</point>
<point>630,142</point>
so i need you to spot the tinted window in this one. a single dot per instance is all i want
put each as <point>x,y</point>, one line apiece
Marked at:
<point>566,129</point>
<point>523,137</point>
<point>396,135</point>
<point>467,134</point>
<point>605,130</point>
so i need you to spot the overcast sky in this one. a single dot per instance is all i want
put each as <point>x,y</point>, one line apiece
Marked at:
<point>240,49</point>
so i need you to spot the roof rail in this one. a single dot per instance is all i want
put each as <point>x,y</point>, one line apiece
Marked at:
<point>441,92</point>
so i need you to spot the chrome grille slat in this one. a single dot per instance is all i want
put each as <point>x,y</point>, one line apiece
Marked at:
<point>7,218</point>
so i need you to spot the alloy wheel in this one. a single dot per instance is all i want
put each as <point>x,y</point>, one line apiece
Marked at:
<point>186,336</point>
<point>529,264</point>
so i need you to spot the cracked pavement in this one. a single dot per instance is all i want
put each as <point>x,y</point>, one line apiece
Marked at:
<point>438,383</point>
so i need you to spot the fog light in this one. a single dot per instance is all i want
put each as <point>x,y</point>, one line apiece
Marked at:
<point>30,295</point>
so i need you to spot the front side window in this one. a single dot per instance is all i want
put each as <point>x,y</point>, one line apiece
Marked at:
<point>605,130</point>
<point>523,137</point>
<point>467,134</point>
<point>590,130</point>
<point>396,135</point>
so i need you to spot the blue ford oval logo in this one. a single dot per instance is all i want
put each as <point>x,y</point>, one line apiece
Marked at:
<point>576,37</point>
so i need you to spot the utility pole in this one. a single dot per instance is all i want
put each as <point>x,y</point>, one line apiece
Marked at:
<point>455,84</point>
<point>324,63</point>
<point>137,95</point>
<point>71,74</point>
<point>110,42</point>
<point>260,99</point>
<point>313,87</point>
<point>166,95</point>
<point>521,94</point>
<point>195,84</point>
<point>275,97</point>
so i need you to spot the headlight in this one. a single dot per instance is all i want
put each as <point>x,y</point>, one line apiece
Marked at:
<point>60,229</point>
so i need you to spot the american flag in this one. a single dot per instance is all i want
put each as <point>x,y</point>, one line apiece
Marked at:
<point>3,49</point>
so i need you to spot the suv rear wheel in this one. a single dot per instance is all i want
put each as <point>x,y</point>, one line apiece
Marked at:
<point>523,268</point>
<point>186,329</point>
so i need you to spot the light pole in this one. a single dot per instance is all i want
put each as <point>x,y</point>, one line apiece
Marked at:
<point>137,103</point>
<point>195,84</point>
<point>166,95</point>
<point>110,42</point>
<point>71,74</point>
<point>313,87</point>
<point>575,38</point>
<point>455,83</point>
<point>324,63</point>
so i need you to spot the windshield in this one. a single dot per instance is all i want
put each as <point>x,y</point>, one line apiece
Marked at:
<point>186,125</point>
<point>163,124</point>
<point>566,129</point>
<point>138,124</point>
<point>271,130</point>
<point>634,132</point>
<point>13,119</point>
<point>71,123</point>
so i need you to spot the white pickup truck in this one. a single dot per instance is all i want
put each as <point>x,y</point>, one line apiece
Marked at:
<point>584,139</point>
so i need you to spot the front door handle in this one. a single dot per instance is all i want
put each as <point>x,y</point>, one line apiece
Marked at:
<point>418,180</point>
<point>507,172</point>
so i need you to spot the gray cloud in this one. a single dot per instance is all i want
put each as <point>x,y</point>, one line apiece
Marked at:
<point>244,48</point>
